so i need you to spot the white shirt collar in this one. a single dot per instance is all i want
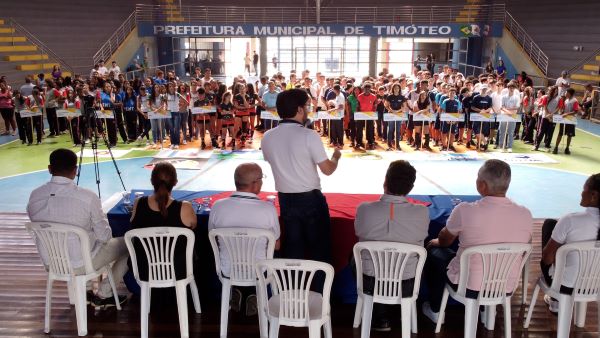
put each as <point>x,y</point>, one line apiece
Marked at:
<point>592,210</point>
<point>244,194</point>
<point>61,180</point>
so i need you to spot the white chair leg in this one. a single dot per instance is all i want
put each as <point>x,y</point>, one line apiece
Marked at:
<point>442,313</point>
<point>144,309</point>
<point>471,314</point>
<point>565,313</point>
<point>406,311</point>
<point>413,317</point>
<point>507,318</point>
<point>49,304</point>
<point>195,297</point>
<point>358,311</point>
<point>80,306</point>
<point>525,281</point>
<point>225,295</point>
<point>327,329</point>
<point>490,317</point>
<point>182,310</point>
<point>367,312</point>
<point>314,329</point>
<point>263,322</point>
<point>111,280</point>
<point>580,313</point>
<point>536,290</point>
<point>71,290</point>
<point>274,328</point>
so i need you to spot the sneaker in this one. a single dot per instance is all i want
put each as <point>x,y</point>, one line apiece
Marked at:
<point>509,150</point>
<point>184,142</point>
<point>171,146</point>
<point>552,304</point>
<point>555,151</point>
<point>235,303</point>
<point>176,146</point>
<point>428,312</point>
<point>567,151</point>
<point>107,302</point>
<point>381,325</point>
<point>251,307</point>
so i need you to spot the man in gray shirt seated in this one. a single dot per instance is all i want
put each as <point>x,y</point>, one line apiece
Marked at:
<point>391,219</point>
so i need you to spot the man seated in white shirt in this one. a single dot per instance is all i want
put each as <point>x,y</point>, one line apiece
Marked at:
<point>391,219</point>
<point>244,209</point>
<point>61,201</point>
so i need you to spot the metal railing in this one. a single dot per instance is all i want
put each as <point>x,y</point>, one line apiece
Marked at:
<point>112,44</point>
<point>529,46</point>
<point>328,15</point>
<point>43,49</point>
<point>584,60</point>
<point>470,70</point>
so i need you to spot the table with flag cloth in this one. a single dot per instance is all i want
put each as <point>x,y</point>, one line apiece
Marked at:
<point>342,209</point>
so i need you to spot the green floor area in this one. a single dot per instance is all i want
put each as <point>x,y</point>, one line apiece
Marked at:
<point>18,158</point>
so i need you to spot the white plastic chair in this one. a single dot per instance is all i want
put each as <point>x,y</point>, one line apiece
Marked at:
<point>292,303</point>
<point>54,239</point>
<point>389,263</point>
<point>586,289</point>
<point>241,245</point>
<point>159,245</point>
<point>499,262</point>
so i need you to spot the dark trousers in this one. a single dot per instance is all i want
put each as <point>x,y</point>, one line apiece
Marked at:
<point>337,131</point>
<point>52,121</point>
<point>528,128</point>
<point>30,123</point>
<point>75,129</point>
<point>546,129</point>
<point>131,118</point>
<point>144,127</point>
<point>119,123</point>
<point>111,129</point>
<point>352,130</point>
<point>380,311</point>
<point>21,126</point>
<point>547,229</point>
<point>370,132</point>
<point>307,228</point>
<point>381,126</point>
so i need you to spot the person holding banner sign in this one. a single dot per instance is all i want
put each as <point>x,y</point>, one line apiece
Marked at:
<point>422,106</point>
<point>130,108</point>
<point>550,105</point>
<point>142,108</point>
<point>451,105</point>
<point>510,106</point>
<point>395,103</point>
<point>570,107</point>
<point>107,101</point>
<point>253,101</point>
<point>481,117</point>
<point>336,125</point>
<point>157,105</point>
<point>226,120</point>
<point>34,104</point>
<point>367,103</point>
<point>269,100</point>
<point>242,113</point>
<point>19,102</point>
<point>72,105</point>
<point>202,120</point>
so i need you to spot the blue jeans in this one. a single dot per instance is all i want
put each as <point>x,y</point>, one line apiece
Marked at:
<point>391,130</point>
<point>157,130</point>
<point>307,228</point>
<point>175,127</point>
<point>184,122</point>
<point>506,134</point>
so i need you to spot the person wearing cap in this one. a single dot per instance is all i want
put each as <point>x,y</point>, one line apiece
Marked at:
<point>367,102</point>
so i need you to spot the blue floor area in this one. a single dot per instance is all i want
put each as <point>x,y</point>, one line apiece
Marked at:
<point>546,192</point>
<point>4,139</point>
<point>590,127</point>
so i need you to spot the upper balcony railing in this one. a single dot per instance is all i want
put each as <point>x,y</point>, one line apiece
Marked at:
<point>328,15</point>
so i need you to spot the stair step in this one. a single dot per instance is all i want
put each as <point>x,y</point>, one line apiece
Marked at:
<point>22,48</point>
<point>586,77</point>
<point>175,19</point>
<point>465,19</point>
<point>64,74</point>
<point>473,1</point>
<point>597,57</point>
<point>25,57</point>
<point>13,39</point>
<point>7,30</point>
<point>593,68</point>
<point>470,12</point>
<point>1,21</point>
<point>36,66</point>
<point>169,6</point>
<point>578,87</point>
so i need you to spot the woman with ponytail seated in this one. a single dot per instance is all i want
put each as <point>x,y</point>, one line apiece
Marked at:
<point>574,227</point>
<point>161,210</point>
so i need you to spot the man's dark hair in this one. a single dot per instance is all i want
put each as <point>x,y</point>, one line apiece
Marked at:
<point>62,161</point>
<point>288,102</point>
<point>400,178</point>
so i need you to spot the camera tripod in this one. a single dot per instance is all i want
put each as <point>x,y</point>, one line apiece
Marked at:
<point>92,130</point>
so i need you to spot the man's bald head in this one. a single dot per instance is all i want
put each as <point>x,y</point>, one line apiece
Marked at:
<point>246,176</point>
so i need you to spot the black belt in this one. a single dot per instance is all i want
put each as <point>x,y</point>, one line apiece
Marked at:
<point>306,193</point>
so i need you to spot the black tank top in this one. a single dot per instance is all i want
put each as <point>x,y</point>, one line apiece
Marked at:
<point>146,218</point>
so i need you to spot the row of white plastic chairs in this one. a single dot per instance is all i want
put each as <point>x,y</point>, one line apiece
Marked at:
<point>293,304</point>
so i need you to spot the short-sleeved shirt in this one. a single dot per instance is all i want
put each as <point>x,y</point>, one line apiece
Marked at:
<point>481,102</point>
<point>451,106</point>
<point>396,101</point>
<point>254,213</point>
<point>391,219</point>
<point>575,227</point>
<point>487,221</point>
<point>270,99</point>
<point>294,153</point>
<point>367,102</point>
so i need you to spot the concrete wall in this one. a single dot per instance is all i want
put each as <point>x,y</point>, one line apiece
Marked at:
<point>135,47</point>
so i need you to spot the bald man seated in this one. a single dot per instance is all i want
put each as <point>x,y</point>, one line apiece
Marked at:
<point>244,209</point>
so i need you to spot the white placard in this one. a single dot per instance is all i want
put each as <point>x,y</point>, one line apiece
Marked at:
<point>485,117</point>
<point>557,118</point>
<point>333,114</point>
<point>270,115</point>
<point>105,114</point>
<point>159,114</point>
<point>452,117</point>
<point>395,117</point>
<point>34,111</point>
<point>68,112</point>
<point>365,116</point>
<point>204,110</point>
<point>508,118</point>
<point>424,117</point>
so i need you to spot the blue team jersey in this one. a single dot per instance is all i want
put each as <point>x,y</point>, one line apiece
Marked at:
<point>482,102</point>
<point>105,101</point>
<point>451,106</point>
<point>130,103</point>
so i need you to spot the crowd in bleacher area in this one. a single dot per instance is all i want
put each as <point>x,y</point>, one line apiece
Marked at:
<point>494,219</point>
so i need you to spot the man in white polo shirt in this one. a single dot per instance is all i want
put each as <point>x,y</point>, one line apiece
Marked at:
<point>243,209</point>
<point>294,153</point>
